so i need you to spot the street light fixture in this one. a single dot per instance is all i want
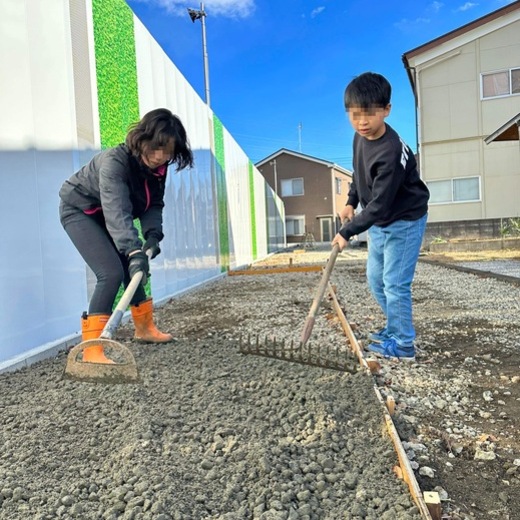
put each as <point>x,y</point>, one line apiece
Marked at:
<point>201,15</point>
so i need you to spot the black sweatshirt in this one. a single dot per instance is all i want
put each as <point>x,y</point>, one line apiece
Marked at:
<point>386,183</point>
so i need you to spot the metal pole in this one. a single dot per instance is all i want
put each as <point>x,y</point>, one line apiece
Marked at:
<point>205,54</point>
<point>273,162</point>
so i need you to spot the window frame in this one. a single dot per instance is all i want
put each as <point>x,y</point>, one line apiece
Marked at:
<point>490,73</point>
<point>300,218</point>
<point>338,182</point>
<point>292,180</point>
<point>450,180</point>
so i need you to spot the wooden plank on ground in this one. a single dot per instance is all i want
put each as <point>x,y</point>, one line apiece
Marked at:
<point>405,469</point>
<point>276,270</point>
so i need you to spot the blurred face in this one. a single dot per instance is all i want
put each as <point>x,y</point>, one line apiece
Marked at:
<point>369,122</point>
<point>155,157</point>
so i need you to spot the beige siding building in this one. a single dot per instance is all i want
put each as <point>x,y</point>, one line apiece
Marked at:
<point>313,192</point>
<point>467,85</point>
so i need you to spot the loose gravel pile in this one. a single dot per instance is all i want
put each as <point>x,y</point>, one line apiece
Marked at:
<point>209,433</point>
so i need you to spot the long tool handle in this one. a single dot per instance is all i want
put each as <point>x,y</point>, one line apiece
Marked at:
<point>117,315</point>
<point>311,317</point>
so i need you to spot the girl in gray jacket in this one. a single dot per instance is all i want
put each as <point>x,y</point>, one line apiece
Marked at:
<point>98,206</point>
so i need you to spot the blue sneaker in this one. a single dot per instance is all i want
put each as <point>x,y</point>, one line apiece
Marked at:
<point>390,349</point>
<point>379,337</point>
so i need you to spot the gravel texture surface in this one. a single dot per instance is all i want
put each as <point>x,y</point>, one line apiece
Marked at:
<point>505,267</point>
<point>210,433</point>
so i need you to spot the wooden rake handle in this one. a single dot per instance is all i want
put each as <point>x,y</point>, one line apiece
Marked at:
<point>309,322</point>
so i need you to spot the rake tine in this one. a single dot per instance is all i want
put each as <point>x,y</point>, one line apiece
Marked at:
<point>322,356</point>
<point>281,350</point>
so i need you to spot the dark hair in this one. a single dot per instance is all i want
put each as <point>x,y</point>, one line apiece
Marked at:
<point>157,128</point>
<point>368,90</point>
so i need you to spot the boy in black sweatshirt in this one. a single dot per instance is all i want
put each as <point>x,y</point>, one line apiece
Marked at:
<point>395,205</point>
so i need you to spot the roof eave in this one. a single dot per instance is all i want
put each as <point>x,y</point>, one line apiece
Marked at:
<point>507,132</point>
<point>462,30</point>
<point>328,164</point>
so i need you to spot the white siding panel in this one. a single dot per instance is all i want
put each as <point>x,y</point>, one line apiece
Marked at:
<point>500,202</point>
<point>42,275</point>
<point>51,71</point>
<point>260,214</point>
<point>237,182</point>
<point>17,128</point>
<point>436,113</point>
<point>464,116</point>
<point>447,160</point>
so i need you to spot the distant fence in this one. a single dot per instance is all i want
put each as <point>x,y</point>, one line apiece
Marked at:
<point>467,229</point>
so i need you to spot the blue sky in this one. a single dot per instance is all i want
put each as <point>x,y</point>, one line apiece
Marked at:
<point>277,64</point>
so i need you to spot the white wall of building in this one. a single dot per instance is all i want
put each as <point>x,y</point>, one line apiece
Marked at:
<point>50,127</point>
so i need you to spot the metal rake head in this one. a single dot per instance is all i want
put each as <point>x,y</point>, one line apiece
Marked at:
<point>323,356</point>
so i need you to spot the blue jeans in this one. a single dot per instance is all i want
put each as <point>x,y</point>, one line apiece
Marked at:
<point>393,252</point>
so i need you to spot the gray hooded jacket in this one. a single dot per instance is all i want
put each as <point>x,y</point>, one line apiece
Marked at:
<point>117,184</point>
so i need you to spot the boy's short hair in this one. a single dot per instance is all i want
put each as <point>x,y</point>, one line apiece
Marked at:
<point>368,90</point>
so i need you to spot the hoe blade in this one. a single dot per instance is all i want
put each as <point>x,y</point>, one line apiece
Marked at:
<point>123,370</point>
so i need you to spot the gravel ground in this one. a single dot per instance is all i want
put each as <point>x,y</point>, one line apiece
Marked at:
<point>503,267</point>
<point>210,433</point>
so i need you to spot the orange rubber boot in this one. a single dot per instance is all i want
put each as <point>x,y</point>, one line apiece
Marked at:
<point>91,328</point>
<point>145,329</point>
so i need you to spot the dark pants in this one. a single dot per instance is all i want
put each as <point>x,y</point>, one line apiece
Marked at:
<point>91,238</point>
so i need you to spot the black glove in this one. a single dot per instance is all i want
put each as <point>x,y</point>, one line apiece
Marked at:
<point>153,245</point>
<point>138,261</point>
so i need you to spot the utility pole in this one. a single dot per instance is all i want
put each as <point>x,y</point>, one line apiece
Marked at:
<point>273,164</point>
<point>201,15</point>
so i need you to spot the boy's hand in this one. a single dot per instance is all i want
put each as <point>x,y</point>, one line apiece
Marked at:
<point>342,243</point>
<point>347,213</point>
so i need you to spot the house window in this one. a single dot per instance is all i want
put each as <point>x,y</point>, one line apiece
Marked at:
<point>295,225</point>
<point>338,186</point>
<point>462,189</point>
<point>503,83</point>
<point>292,187</point>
